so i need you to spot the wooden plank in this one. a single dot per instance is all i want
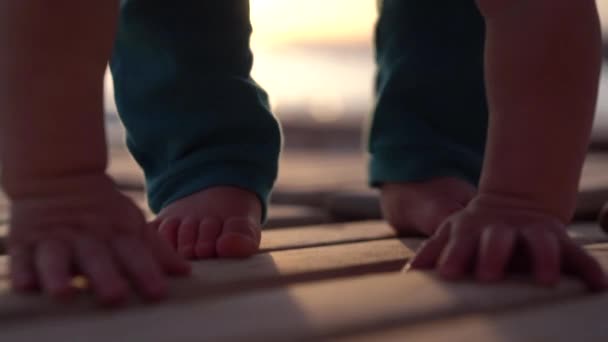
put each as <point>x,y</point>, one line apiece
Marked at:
<point>587,233</point>
<point>598,247</point>
<point>214,277</point>
<point>280,216</point>
<point>338,233</point>
<point>311,177</point>
<point>360,203</point>
<point>305,236</point>
<point>328,234</point>
<point>302,237</point>
<point>309,170</point>
<point>301,312</point>
<point>3,207</point>
<point>593,186</point>
<point>578,319</point>
<point>364,204</point>
<point>311,197</point>
<point>589,203</point>
<point>355,205</point>
<point>583,319</point>
<point>595,172</point>
<point>3,236</point>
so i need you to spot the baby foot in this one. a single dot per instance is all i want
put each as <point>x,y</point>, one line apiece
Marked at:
<point>422,207</point>
<point>221,221</point>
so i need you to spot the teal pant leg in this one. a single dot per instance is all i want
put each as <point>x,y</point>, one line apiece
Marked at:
<point>194,116</point>
<point>431,113</point>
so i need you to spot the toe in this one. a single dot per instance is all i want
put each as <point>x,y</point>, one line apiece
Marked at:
<point>240,238</point>
<point>208,232</point>
<point>168,229</point>
<point>186,237</point>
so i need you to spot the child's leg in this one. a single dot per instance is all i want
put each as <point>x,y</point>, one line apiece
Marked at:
<point>197,123</point>
<point>429,126</point>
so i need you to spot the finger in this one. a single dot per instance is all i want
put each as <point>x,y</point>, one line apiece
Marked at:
<point>141,267</point>
<point>208,232</point>
<point>429,252</point>
<point>171,262</point>
<point>97,263</point>
<point>186,237</point>
<point>584,265</point>
<point>168,230</point>
<point>53,261</point>
<point>23,277</point>
<point>495,250</point>
<point>457,257</point>
<point>544,249</point>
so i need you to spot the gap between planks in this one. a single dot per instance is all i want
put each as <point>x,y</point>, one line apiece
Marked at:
<point>576,319</point>
<point>307,311</point>
<point>301,312</point>
<point>221,277</point>
<point>328,234</point>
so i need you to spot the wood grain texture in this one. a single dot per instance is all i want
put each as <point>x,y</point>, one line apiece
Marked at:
<point>577,319</point>
<point>220,277</point>
<point>364,204</point>
<point>300,237</point>
<point>345,307</point>
<point>595,172</point>
<point>310,236</point>
<point>3,207</point>
<point>301,312</point>
<point>338,233</point>
<point>281,216</point>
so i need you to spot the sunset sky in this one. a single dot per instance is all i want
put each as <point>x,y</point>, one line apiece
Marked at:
<point>280,21</point>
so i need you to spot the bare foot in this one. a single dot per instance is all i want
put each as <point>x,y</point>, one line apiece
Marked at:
<point>422,207</point>
<point>221,221</point>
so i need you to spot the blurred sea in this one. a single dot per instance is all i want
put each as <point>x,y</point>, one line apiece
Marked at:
<point>326,83</point>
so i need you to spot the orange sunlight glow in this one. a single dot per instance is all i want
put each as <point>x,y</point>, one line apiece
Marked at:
<point>283,21</point>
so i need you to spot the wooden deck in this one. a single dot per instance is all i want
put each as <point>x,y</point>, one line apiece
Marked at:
<point>328,270</point>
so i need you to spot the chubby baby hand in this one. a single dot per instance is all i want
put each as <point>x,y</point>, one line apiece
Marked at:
<point>493,231</point>
<point>82,225</point>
